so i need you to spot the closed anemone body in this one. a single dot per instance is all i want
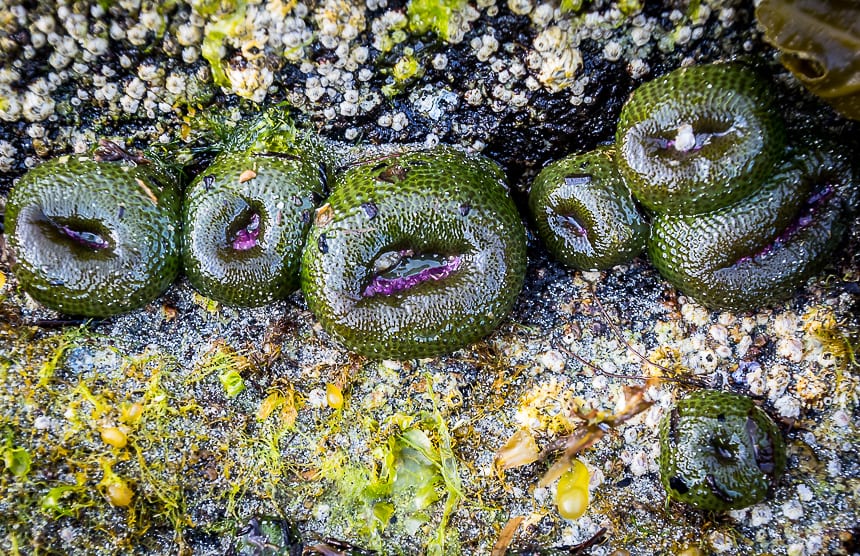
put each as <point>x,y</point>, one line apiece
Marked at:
<point>719,451</point>
<point>584,212</point>
<point>246,218</point>
<point>415,254</point>
<point>698,138</point>
<point>760,249</point>
<point>94,238</point>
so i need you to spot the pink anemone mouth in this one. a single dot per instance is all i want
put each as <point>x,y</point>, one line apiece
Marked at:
<point>246,237</point>
<point>409,270</point>
<point>89,240</point>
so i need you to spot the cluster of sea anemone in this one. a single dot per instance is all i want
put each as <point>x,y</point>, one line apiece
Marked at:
<point>415,253</point>
<point>738,217</point>
<point>421,252</point>
<point>403,252</point>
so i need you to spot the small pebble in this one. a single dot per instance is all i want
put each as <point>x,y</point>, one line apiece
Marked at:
<point>793,510</point>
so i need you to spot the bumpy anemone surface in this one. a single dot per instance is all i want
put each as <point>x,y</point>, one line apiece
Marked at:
<point>415,254</point>
<point>698,138</point>
<point>584,213</point>
<point>719,451</point>
<point>246,218</point>
<point>760,249</point>
<point>92,236</point>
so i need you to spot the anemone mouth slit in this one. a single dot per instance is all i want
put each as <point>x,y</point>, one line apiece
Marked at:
<point>84,234</point>
<point>806,217</point>
<point>689,138</point>
<point>244,232</point>
<point>403,269</point>
<point>573,225</point>
<point>724,451</point>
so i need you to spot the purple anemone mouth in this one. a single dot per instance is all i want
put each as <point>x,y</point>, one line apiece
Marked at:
<point>409,271</point>
<point>89,240</point>
<point>570,222</point>
<point>804,220</point>
<point>246,237</point>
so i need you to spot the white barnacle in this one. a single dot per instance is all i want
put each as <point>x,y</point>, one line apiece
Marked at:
<point>685,140</point>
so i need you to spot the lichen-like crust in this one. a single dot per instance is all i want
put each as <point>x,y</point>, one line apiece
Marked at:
<point>246,218</point>
<point>415,254</point>
<point>94,238</point>
<point>719,451</point>
<point>698,138</point>
<point>760,249</point>
<point>584,213</point>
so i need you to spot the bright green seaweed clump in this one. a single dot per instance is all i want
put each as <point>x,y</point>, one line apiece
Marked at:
<point>740,220</point>
<point>439,16</point>
<point>95,235</point>
<point>719,451</point>
<point>584,213</point>
<point>415,254</point>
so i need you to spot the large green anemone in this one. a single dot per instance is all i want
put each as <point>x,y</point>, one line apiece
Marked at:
<point>95,235</point>
<point>740,220</point>
<point>415,254</point>
<point>698,138</point>
<point>759,250</point>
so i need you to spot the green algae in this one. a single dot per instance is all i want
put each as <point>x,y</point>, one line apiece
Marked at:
<point>434,15</point>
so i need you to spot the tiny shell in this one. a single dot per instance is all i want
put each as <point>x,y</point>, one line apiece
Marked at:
<point>247,175</point>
